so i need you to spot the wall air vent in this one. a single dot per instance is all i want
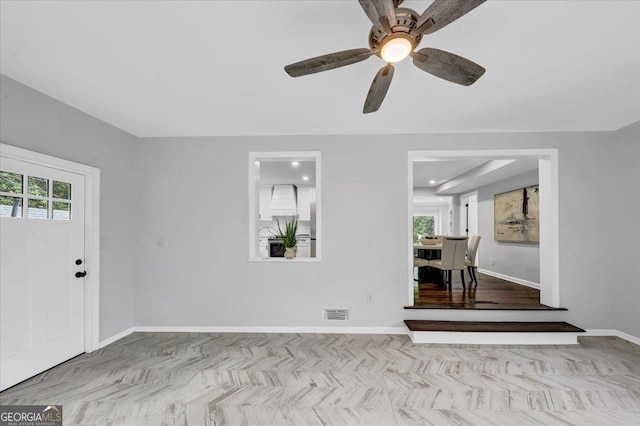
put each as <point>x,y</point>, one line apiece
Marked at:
<point>335,314</point>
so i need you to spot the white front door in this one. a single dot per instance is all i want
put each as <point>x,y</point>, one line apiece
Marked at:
<point>41,250</point>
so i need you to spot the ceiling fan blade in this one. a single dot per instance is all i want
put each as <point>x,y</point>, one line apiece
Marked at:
<point>443,12</point>
<point>378,89</point>
<point>370,9</point>
<point>380,11</point>
<point>327,62</point>
<point>448,66</point>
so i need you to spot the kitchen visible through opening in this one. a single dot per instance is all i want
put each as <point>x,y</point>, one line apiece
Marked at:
<point>284,199</point>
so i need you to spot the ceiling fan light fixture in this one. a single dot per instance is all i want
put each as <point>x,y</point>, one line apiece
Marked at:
<point>396,49</point>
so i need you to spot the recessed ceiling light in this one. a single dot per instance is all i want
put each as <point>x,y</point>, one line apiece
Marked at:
<point>257,163</point>
<point>305,177</point>
<point>295,163</point>
<point>441,199</point>
<point>432,182</point>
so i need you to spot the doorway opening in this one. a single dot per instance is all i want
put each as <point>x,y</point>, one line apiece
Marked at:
<point>510,275</point>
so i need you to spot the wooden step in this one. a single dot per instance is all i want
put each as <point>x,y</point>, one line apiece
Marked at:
<point>487,306</point>
<point>493,332</point>
<point>493,326</point>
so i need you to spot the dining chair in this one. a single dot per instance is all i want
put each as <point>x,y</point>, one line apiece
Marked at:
<point>470,260</point>
<point>419,262</point>
<point>454,250</point>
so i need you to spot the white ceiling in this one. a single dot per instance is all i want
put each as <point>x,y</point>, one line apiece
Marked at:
<point>284,172</point>
<point>441,171</point>
<point>194,68</point>
<point>460,175</point>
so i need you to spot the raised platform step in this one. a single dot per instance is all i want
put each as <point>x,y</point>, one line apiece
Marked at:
<point>493,326</point>
<point>493,332</point>
<point>487,306</point>
<point>483,315</point>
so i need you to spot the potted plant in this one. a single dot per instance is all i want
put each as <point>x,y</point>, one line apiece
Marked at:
<point>288,236</point>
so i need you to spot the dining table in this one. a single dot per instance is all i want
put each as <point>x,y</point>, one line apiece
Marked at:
<point>435,248</point>
<point>429,252</point>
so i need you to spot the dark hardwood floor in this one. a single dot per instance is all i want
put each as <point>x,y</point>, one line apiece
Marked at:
<point>493,327</point>
<point>490,293</point>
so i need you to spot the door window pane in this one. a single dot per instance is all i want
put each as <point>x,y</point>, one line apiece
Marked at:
<point>61,211</point>
<point>38,209</point>
<point>61,190</point>
<point>10,182</point>
<point>38,187</point>
<point>10,206</point>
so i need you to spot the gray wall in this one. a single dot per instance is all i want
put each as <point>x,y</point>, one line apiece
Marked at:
<point>512,259</point>
<point>31,120</point>
<point>199,275</point>
<point>180,250</point>
<point>620,208</point>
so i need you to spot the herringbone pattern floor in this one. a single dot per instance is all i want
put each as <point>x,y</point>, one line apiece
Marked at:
<point>326,379</point>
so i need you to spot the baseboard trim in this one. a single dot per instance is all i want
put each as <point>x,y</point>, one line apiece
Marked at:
<point>323,330</point>
<point>116,337</point>
<point>508,278</point>
<point>617,333</point>
<point>250,329</point>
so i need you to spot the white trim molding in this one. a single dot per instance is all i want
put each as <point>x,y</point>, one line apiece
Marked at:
<point>116,337</point>
<point>509,278</point>
<point>548,180</point>
<point>417,337</point>
<point>611,332</point>
<point>91,232</point>
<point>274,329</point>
<point>254,158</point>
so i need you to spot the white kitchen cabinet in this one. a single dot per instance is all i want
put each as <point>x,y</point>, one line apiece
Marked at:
<point>263,247</point>
<point>303,247</point>
<point>306,195</point>
<point>265,201</point>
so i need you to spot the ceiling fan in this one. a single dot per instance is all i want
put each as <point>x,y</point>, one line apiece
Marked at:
<point>395,33</point>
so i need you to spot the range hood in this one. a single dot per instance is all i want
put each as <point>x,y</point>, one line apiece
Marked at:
<point>284,201</point>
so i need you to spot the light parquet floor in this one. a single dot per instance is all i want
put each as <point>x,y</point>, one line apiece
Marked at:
<point>326,379</point>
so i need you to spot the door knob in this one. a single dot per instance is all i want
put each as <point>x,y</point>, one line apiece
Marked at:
<point>78,261</point>
<point>81,274</point>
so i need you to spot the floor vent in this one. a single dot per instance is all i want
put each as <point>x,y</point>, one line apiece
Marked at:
<point>335,314</point>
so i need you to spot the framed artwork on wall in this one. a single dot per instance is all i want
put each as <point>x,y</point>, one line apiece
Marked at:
<point>517,216</point>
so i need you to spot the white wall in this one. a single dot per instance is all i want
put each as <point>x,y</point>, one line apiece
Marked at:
<point>427,198</point>
<point>514,260</point>
<point>190,258</point>
<point>31,120</point>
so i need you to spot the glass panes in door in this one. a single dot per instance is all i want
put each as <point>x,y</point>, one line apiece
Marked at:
<point>43,198</point>
<point>61,190</point>
<point>37,203</point>
<point>61,200</point>
<point>10,206</point>
<point>38,187</point>
<point>11,188</point>
<point>38,209</point>
<point>61,211</point>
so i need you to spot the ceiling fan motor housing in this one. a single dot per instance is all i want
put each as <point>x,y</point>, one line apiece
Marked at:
<point>406,20</point>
